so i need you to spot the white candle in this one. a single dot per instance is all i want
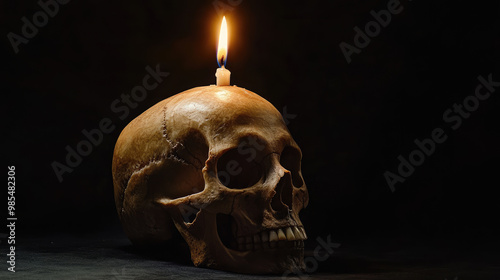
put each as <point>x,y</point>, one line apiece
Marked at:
<point>222,75</point>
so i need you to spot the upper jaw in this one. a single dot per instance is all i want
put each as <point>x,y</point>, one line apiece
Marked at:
<point>270,238</point>
<point>254,257</point>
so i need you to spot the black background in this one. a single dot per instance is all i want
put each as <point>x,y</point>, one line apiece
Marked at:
<point>352,119</point>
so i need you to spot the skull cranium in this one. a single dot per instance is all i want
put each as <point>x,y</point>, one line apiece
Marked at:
<point>219,165</point>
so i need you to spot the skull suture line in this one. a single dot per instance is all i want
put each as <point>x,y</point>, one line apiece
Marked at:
<point>225,155</point>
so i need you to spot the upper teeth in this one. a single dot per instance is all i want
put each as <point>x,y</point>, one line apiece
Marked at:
<point>268,238</point>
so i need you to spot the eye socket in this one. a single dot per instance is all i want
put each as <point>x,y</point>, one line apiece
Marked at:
<point>237,170</point>
<point>290,160</point>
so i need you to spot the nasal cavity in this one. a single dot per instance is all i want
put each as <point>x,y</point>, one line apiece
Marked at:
<point>282,200</point>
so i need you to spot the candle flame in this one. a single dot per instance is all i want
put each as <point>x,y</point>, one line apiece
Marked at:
<point>222,49</point>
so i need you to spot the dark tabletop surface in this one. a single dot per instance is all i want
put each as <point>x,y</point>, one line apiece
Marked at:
<point>110,255</point>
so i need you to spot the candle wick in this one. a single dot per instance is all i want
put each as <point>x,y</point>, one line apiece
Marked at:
<point>221,63</point>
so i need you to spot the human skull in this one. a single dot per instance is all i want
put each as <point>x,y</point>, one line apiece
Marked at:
<point>219,165</point>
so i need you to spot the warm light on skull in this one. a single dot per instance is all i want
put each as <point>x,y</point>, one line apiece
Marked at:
<point>223,172</point>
